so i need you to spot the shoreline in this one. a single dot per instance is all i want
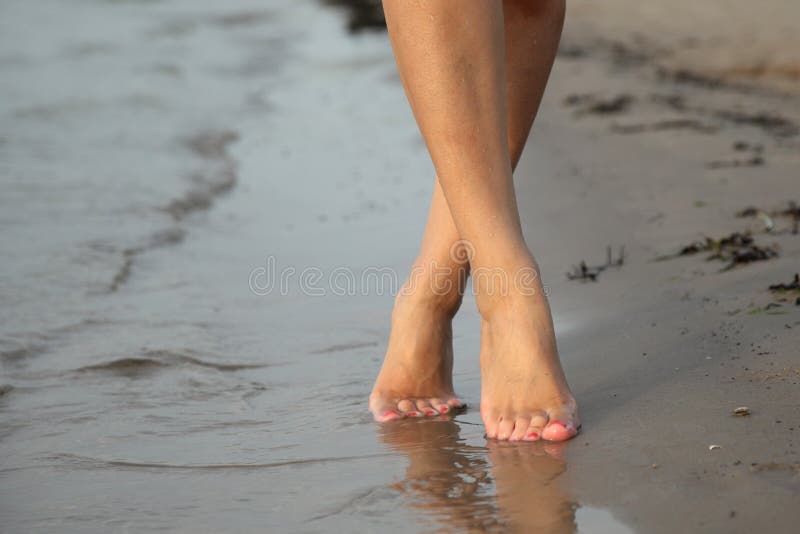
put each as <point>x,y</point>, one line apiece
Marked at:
<point>182,400</point>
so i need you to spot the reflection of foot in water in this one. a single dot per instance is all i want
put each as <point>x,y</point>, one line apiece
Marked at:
<point>447,480</point>
<point>451,482</point>
<point>531,495</point>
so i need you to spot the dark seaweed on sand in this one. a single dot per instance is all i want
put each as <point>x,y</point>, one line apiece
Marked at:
<point>755,161</point>
<point>794,285</point>
<point>586,273</point>
<point>756,158</point>
<point>588,104</point>
<point>773,124</point>
<point>748,255</point>
<point>736,249</point>
<point>792,213</point>
<point>735,239</point>
<point>658,126</point>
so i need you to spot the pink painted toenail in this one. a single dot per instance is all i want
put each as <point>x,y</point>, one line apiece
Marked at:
<point>559,423</point>
<point>390,412</point>
<point>412,414</point>
<point>430,412</point>
<point>533,435</point>
<point>444,409</point>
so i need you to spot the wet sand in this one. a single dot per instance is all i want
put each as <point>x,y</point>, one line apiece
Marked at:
<point>156,166</point>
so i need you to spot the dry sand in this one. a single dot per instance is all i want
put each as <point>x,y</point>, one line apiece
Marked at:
<point>736,40</point>
<point>653,151</point>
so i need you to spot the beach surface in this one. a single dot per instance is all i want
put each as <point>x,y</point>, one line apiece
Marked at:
<point>206,210</point>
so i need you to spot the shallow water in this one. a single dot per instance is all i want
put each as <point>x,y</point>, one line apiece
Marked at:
<point>155,156</point>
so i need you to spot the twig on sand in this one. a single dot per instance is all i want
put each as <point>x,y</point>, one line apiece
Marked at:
<point>586,273</point>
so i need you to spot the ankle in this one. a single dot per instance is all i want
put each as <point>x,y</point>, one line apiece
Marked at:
<point>512,289</point>
<point>439,293</point>
<point>443,306</point>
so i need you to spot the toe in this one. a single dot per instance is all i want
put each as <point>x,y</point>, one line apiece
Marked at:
<point>389,415</point>
<point>520,427</point>
<point>440,405</point>
<point>455,403</point>
<point>408,408</point>
<point>505,428</point>
<point>562,426</point>
<point>385,411</point>
<point>492,424</point>
<point>425,408</point>
<point>535,427</point>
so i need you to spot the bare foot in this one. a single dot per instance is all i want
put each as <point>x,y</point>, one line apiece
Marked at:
<point>416,377</point>
<point>524,394</point>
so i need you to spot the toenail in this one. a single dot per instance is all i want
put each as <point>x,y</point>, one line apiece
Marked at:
<point>390,412</point>
<point>560,423</point>
<point>444,409</point>
<point>412,414</point>
<point>430,412</point>
<point>533,435</point>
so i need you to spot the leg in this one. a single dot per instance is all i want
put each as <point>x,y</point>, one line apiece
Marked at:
<point>416,376</point>
<point>450,57</point>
